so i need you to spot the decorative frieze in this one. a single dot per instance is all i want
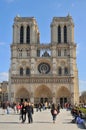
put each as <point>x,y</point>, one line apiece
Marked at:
<point>33,80</point>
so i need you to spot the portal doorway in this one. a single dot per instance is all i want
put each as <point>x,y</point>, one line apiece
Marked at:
<point>43,100</point>
<point>63,100</point>
<point>22,95</point>
<point>42,94</point>
<point>23,100</point>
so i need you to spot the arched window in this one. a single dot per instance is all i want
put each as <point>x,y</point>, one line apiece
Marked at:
<point>27,71</point>
<point>28,34</point>
<point>20,53</point>
<point>59,34</point>
<point>65,52</point>
<point>65,34</point>
<point>21,71</point>
<point>59,52</point>
<point>21,34</point>
<point>65,70</point>
<point>60,71</point>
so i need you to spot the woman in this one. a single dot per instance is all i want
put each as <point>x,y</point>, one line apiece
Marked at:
<point>54,112</point>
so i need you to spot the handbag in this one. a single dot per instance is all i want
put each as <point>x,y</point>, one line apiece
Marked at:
<point>55,112</point>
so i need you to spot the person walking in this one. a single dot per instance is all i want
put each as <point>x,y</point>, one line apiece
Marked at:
<point>54,112</point>
<point>30,112</point>
<point>23,112</point>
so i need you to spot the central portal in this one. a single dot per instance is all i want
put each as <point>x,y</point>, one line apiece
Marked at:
<point>43,100</point>
<point>63,100</point>
<point>43,94</point>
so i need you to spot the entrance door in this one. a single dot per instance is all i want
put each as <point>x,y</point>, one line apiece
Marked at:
<point>23,100</point>
<point>63,100</point>
<point>43,100</point>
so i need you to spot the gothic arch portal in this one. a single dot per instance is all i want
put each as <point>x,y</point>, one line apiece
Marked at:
<point>43,94</point>
<point>22,94</point>
<point>63,95</point>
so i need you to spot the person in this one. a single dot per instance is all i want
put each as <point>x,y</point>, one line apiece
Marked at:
<point>30,112</point>
<point>58,108</point>
<point>23,112</point>
<point>54,112</point>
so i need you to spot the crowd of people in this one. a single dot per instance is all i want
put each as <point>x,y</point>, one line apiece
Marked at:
<point>26,109</point>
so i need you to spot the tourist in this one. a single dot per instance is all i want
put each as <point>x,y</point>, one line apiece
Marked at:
<point>23,112</point>
<point>54,112</point>
<point>30,112</point>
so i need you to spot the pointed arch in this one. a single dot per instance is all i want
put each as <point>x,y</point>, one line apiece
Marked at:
<point>59,71</point>
<point>59,34</point>
<point>63,92</point>
<point>65,70</point>
<point>21,35</point>
<point>28,34</point>
<point>43,91</point>
<point>65,34</point>
<point>22,93</point>
<point>21,71</point>
<point>27,71</point>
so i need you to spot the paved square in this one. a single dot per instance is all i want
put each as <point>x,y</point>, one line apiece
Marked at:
<point>41,121</point>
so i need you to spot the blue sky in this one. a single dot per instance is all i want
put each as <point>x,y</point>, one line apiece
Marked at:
<point>43,11</point>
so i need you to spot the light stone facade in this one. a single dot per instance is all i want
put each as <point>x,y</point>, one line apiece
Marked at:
<point>43,72</point>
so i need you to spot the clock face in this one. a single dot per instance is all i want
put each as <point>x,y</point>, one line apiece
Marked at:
<point>44,68</point>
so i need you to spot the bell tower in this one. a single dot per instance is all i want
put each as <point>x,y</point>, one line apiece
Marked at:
<point>62,30</point>
<point>64,51</point>
<point>25,30</point>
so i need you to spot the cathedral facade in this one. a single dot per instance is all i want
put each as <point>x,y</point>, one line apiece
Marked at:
<point>41,72</point>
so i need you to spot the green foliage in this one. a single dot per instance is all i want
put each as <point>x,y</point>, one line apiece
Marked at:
<point>83,110</point>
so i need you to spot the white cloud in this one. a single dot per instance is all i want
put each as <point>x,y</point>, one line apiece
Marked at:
<point>82,85</point>
<point>3,76</point>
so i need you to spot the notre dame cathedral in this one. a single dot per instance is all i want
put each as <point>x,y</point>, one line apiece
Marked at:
<point>43,72</point>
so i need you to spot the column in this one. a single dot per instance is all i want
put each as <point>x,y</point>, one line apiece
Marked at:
<point>25,33</point>
<point>32,98</point>
<point>68,33</point>
<point>62,34</point>
<point>14,34</point>
<point>18,34</point>
<point>54,99</point>
<point>54,35</point>
<point>32,31</point>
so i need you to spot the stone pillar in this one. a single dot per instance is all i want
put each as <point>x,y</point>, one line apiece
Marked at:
<point>32,32</point>
<point>72,33</point>
<point>18,34</point>
<point>54,66</point>
<point>32,98</point>
<point>15,34</point>
<point>62,34</point>
<point>54,38</point>
<point>25,27</point>
<point>68,34</point>
<point>54,99</point>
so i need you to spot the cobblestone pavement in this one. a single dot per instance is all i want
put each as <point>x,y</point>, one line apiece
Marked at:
<point>41,121</point>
